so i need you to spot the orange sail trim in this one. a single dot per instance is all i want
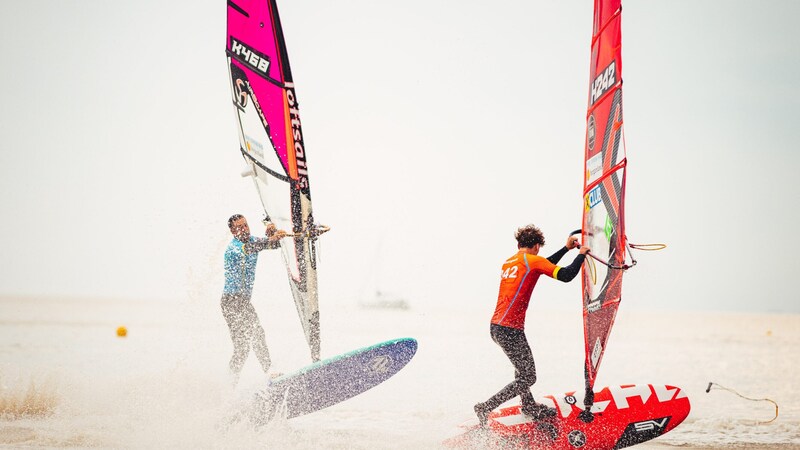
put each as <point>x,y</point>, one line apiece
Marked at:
<point>291,157</point>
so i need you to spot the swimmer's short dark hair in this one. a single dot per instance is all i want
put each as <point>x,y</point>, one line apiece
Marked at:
<point>234,218</point>
<point>528,236</point>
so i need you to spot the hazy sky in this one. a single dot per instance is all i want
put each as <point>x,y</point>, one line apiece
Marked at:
<point>433,128</point>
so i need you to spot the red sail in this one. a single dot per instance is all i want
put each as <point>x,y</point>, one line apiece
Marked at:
<point>604,186</point>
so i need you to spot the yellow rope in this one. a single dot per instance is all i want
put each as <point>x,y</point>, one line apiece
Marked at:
<point>747,398</point>
<point>648,247</point>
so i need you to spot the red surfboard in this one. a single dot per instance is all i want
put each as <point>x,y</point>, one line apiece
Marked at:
<point>622,416</point>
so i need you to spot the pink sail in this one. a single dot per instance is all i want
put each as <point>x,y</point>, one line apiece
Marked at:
<point>271,142</point>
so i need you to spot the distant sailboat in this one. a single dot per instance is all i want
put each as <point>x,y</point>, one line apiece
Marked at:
<point>372,296</point>
<point>382,300</point>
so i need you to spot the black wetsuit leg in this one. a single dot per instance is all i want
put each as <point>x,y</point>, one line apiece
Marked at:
<point>515,346</point>
<point>245,329</point>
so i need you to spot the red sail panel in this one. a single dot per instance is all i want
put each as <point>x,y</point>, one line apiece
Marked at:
<point>604,185</point>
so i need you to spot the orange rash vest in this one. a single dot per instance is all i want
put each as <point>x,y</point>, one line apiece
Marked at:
<point>517,279</point>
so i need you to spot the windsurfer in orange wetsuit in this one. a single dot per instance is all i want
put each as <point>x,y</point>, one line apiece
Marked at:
<point>517,280</point>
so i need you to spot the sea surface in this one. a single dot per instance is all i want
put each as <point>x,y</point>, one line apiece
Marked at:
<point>68,381</point>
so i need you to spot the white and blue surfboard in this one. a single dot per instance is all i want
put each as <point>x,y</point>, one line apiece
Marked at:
<point>333,380</point>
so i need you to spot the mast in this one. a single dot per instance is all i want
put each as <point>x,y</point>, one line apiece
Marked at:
<point>604,188</point>
<point>271,142</point>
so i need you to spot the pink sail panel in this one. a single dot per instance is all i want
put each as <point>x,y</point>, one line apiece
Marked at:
<point>604,185</point>
<point>256,46</point>
<point>271,142</point>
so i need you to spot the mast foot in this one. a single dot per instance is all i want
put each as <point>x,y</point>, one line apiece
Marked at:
<point>586,416</point>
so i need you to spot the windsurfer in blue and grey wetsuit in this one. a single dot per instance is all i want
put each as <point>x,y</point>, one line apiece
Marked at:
<point>241,257</point>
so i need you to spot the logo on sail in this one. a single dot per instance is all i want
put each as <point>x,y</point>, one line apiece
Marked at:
<point>297,137</point>
<point>254,147</point>
<point>608,229</point>
<point>603,82</point>
<point>252,58</point>
<point>240,93</point>
<point>594,167</point>
<point>596,352</point>
<point>593,198</point>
